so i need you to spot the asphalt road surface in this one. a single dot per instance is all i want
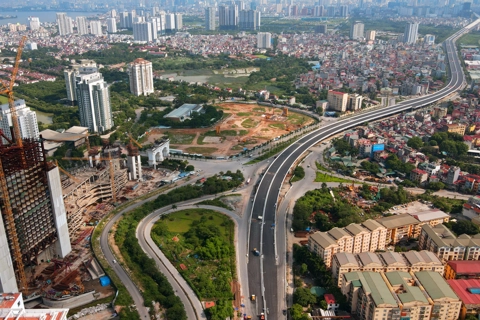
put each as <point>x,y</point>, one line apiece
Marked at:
<point>266,272</point>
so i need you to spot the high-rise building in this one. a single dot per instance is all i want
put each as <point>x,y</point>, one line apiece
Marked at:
<point>84,66</point>
<point>264,40</point>
<point>27,120</point>
<point>65,25</point>
<point>131,18</point>
<point>82,26</point>
<point>411,33</point>
<point>178,21</point>
<point>249,20</point>
<point>210,18</point>
<point>124,20</point>
<point>39,227</point>
<point>96,28</point>
<point>319,11</point>
<point>322,28</point>
<point>337,101</point>
<point>113,13</point>
<point>33,23</point>
<point>344,11</point>
<point>94,102</point>
<point>356,30</point>
<point>142,31</point>
<point>141,77</point>
<point>156,26</point>
<point>371,34</point>
<point>240,4</point>
<point>111,25</point>
<point>228,17</point>
<point>170,21</point>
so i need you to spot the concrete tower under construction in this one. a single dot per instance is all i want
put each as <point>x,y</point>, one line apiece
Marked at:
<point>39,225</point>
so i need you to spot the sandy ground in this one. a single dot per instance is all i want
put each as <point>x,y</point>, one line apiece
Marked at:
<point>253,124</point>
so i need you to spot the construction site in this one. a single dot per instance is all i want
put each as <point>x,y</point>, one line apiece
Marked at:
<point>243,126</point>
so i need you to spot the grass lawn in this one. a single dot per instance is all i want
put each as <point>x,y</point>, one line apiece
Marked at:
<point>244,114</point>
<point>3,100</point>
<point>261,56</point>
<point>209,277</point>
<point>296,118</point>
<point>243,132</point>
<point>201,150</point>
<point>322,177</point>
<point>248,123</point>
<point>320,167</point>
<point>470,39</point>
<point>178,138</point>
<point>259,109</point>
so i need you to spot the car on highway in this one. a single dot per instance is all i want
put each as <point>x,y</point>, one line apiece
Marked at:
<point>256,252</point>
<point>253,297</point>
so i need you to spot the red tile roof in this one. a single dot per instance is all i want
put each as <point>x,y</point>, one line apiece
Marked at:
<point>329,298</point>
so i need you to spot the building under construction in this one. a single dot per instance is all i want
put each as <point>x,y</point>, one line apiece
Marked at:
<point>38,231</point>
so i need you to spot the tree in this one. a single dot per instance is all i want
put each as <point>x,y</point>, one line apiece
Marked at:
<point>415,143</point>
<point>303,269</point>
<point>465,227</point>
<point>435,186</point>
<point>323,304</point>
<point>304,297</point>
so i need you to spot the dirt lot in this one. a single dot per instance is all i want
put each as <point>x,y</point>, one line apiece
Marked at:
<point>244,126</point>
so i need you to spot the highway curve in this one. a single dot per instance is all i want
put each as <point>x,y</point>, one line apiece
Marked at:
<point>265,273</point>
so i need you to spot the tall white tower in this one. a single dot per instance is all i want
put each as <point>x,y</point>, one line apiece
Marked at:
<point>411,33</point>
<point>210,18</point>
<point>27,119</point>
<point>141,77</point>
<point>65,25</point>
<point>82,26</point>
<point>96,28</point>
<point>111,25</point>
<point>33,23</point>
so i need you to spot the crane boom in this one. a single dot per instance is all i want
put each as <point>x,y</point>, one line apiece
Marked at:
<point>7,89</point>
<point>135,141</point>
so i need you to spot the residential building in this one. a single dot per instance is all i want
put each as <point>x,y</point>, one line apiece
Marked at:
<point>111,25</point>
<point>446,304</point>
<point>322,28</point>
<point>432,217</point>
<point>178,21</point>
<point>369,296</point>
<point>361,237</point>
<point>419,175</point>
<point>400,295</point>
<point>82,26</point>
<point>264,40</point>
<point>27,120</point>
<point>463,269</point>
<point>210,18</point>
<point>452,175</point>
<point>455,128</point>
<point>337,100</point>
<point>65,25</point>
<point>446,246</point>
<point>94,102</point>
<point>330,300</point>
<point>371,34</point>
<point>13,307</point>
<point>378,234</point>
<point>96,28</point>
<point>357,31</point>
<point>34,23</point>
<point>141,77</point>
<point>124,20</point>
<point>228,17</point>
<point>414,304</point>
<point>343,11</point>
<point>83,66</point>
<point>184,112</point>
<point>170,22</point>
<point>467,291</point>
<point>410,35</point>
<point>411,261</point>
<point>399,227</point>
<point>429,39</point>
<point>471,209</point>
<point>324,246</point>
<point>249,20</point>
<point>142,32</point>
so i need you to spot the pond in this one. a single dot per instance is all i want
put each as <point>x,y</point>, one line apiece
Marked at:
<point>44,117</point>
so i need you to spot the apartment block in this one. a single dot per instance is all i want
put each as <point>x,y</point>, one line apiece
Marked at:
<point>400,295</point>
<point>399,227</point>
<point>411,261</point>
<point>337,101</point>
<point>27,120</point>
<point>141,77</point>
<point>324,246</point>
<point>84,66</point>
<point>446,246</point>
<point>462,269</point>
<point>467,291</point>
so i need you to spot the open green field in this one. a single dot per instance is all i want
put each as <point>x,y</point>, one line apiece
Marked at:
<point>277,125</point>
<point>470,39</point>
<point>199,242</point>
<point>201,150</point>
<point>249,123</point>
<point>324,177</point>
<point>297,118</point>
<point>3,100</point>
<point>180,138</point>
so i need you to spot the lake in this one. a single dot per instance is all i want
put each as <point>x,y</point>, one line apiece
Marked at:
<point>44,117</point>
<point>44,16</point>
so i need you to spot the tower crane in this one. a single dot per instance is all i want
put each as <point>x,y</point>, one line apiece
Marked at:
<point>66,172</point>
<point>111,168</point>
<point>134,141</point>
<point>6,88</point>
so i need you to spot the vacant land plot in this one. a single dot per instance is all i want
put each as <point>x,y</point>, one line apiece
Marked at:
<point>206,151</point>
<point>3,100</point>
<point>244,126</point>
